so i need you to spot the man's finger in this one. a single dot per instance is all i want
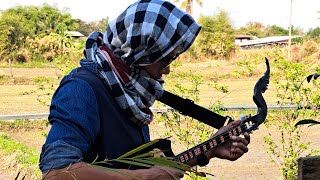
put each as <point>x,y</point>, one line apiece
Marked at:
<point>247,136</point>
<point>241,146</point>
<point>234,123</point>
<point>239,139</point>
<point>237,152</point>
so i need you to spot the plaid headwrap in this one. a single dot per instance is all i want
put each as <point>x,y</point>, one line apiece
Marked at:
<point>149,30</point>
<point>144,33</point>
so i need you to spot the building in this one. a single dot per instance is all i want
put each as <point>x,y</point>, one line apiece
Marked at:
<point>76,35</point>
<point>262,42</point>
<point>243,38</point>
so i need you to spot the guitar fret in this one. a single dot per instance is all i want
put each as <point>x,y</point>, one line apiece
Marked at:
<point>235,131</point>
<point>209,144</point>
<point>186,157</point>
<point>197,151</point>
<point>204,147</point>
<point>191,154</point>
<point>214,142</point>
<point>239,129</point>
<point>182,159</point>
<point>222,139</point>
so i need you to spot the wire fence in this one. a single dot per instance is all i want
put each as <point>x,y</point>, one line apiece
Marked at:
<point>155,110</point>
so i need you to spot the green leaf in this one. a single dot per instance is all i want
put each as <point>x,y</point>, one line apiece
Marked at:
<point>145,161</point>
<point>132,163</point>
<point>164,161</point>
<point>138,149</point>
<point>307,121</point>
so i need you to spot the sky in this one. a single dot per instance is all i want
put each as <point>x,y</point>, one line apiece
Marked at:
<point>305,13</point>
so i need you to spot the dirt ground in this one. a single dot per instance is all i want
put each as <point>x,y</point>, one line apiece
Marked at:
<point>10,169</point>
<point>253,165</point>
<point>30,72</point>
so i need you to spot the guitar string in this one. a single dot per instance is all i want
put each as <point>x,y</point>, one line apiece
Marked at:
<point>242,126</point>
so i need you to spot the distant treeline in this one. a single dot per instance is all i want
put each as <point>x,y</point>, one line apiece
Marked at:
<point>38,33</point>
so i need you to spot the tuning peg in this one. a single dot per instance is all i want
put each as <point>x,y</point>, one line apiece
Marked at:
<point>243,117</point>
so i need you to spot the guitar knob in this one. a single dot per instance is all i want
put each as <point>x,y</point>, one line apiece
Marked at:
<point>243,117</point>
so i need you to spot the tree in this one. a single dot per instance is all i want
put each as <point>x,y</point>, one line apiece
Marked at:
<point>188,5</point>
<point>259,30</point>
<point>254,29</point>
<point>43,19</point>
<point>275,30</point>
<point>23,24</point>
<point>217,35</point>
<point>87,27</point>
<point>13,32</point>
<point>314,33</point>
<point>297,30</point>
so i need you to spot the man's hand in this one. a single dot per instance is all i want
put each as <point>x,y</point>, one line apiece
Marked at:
<point>234,148</point>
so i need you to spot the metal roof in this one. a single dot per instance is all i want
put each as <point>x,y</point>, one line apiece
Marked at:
<point>242,36</point>
<point>74,34</point>
<point>266,40</point>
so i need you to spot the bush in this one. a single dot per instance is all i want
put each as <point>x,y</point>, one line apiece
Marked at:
<point>216,38</point>
<point>23,56</point>
<point>309,48</point>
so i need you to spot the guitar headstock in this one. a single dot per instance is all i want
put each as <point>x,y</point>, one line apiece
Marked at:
<point>252,122</point>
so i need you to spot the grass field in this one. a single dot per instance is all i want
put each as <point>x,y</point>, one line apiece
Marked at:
<point>17,97</point>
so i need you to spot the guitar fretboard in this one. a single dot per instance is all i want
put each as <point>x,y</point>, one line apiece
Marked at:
<point>208,145</point>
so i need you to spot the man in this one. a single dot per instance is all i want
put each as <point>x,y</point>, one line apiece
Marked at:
<point>101,109</point>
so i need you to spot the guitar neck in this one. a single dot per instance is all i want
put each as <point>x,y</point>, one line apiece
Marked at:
<point>192,153</point>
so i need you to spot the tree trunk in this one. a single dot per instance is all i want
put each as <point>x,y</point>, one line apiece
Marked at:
<point>10,67</point>
<point>189,7</point>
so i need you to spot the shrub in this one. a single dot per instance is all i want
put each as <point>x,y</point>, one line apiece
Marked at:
<point>23,55</point>
<point>309,47</point>
<point>216,38</point>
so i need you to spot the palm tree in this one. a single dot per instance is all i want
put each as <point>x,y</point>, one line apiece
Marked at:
<point>188,5</point>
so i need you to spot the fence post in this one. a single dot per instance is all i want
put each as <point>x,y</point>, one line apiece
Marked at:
<point>309,168</point>
<point>10,67</point>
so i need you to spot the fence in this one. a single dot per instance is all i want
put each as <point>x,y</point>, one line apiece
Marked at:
<point>156,110</point>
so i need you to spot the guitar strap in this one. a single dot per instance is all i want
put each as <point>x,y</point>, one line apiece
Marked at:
<point>189,108</point>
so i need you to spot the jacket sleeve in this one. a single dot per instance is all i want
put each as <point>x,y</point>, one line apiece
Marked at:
<point>74,119</point>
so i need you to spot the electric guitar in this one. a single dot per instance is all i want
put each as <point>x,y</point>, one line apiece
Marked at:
<point>248,124</point>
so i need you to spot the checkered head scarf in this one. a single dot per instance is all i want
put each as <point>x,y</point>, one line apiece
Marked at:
<point>146,32</point>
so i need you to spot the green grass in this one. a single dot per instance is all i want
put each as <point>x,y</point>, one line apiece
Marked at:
<point>22,123</point>
<point>43,80</point>
<point>31,64</point>
<point>24,155</point>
